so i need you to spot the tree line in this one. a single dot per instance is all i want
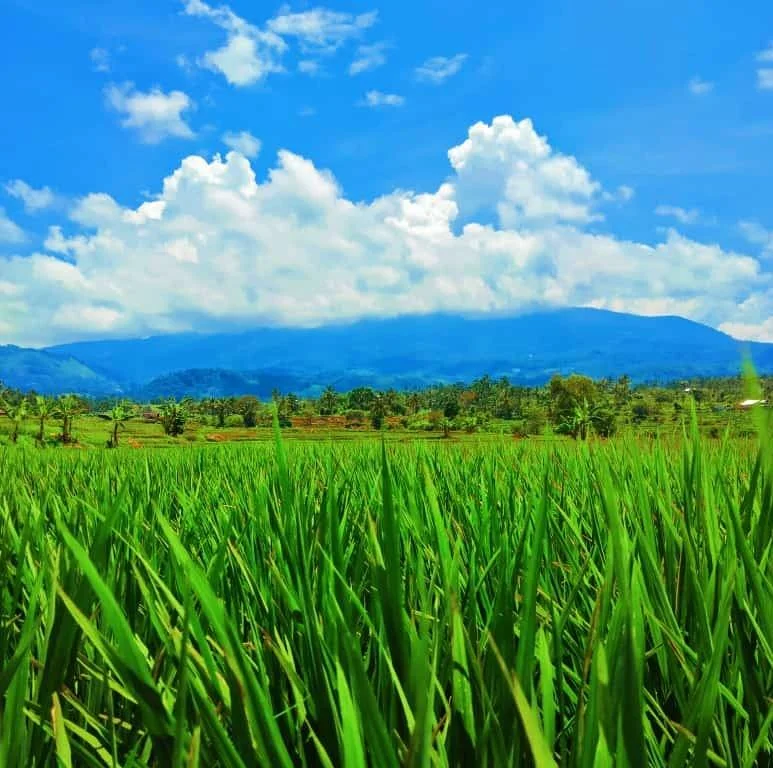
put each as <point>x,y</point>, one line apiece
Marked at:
<point>573,405</point>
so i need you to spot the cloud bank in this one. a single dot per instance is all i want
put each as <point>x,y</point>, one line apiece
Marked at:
<point>219,247</point>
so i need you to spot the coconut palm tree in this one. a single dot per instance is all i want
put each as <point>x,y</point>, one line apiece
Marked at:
<point>44,409</point>
<point>66,409</point>
<point>15,414</point>
<point>118,415</point>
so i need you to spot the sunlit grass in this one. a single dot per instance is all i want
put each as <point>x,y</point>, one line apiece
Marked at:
<point>284,604</point>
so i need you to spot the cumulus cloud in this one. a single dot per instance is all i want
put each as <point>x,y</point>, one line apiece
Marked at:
<point>368,57</point>
<point>508,168</point>
<point>439,68</point>
<point>699,87</point>
<point>34,199</point>
<point>155,115</point>
<point>682,215</point>
<point>219,247</point>
<point>380,99</point>
<point>10,231</point>
<point>243,142</point>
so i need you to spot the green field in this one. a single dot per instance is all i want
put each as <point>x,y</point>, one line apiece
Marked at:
<point>425,604</point>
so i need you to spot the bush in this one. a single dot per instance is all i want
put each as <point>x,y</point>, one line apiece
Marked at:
<point>355,419</point>
<point>234,420</point>
<point>535,422</point>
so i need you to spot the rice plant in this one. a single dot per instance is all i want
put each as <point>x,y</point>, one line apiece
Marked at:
<point>363,604</point>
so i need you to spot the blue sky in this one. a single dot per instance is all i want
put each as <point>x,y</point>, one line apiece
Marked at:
<point>657,117</point>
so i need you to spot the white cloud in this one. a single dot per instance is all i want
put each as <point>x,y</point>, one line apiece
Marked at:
<point>34,199</point>
<point>439,68</point>
<point>682,215</point>
<point>765,73</point>
<point>755,233</point>
<point>765,79</point>
<point>380,99</point>
<point>368,57</point>
<point>204,253</point>
<point>309,66</point>
<point>506,167</point>
<point>10,231</point>
<point>623,194</point>
<point>243,142</point>
<point>699,87</point>
<point>155,115</point>
<point>321,30</point>
<point>249,53</point>
<point>100,59</point>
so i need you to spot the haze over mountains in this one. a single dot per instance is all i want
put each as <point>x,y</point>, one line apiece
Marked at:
<point>401,352</point>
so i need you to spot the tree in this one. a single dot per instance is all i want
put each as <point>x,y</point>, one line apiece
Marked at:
<point>567,395</point>
<point>328,401</point>
<point>413,401</point>
<point>118,415</point>
<point>451,408</point>
<point>67,408</point>
<point>377,411</point>
<point>16,413</point>
<point>174,416</point>
<point>361,398</point>
<point>622,390</point>
<point>248,407</point>
<point>587,418</point>
<point>45,407</point>
<point>222,408</point>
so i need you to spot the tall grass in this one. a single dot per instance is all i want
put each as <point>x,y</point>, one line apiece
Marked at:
<point>358,605</point>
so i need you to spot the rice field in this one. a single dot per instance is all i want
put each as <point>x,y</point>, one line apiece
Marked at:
<point>352,605</point>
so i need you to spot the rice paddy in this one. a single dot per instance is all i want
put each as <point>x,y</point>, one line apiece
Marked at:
<point>502,604</point>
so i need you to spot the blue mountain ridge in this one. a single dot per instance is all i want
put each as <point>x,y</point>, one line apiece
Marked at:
<point>403,352</point>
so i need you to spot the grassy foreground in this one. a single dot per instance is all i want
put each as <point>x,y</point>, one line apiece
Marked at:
<point>417,605</point>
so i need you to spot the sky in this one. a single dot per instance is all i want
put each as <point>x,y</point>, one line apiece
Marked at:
<point>172,165</point>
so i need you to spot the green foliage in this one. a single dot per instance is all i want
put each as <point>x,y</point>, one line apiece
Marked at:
<point>174,416</point>
<point>516,604</point>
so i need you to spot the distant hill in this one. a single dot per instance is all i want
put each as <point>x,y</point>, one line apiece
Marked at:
<point>47,373</point>
<point>410,352</point>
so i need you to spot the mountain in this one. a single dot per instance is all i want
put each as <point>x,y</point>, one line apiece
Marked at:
<point>48,373</point>
<point>401,352</point>
<point>419,350</point>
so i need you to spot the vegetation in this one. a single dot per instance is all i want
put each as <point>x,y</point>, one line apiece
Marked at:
<point>574,406</point>
<point>118,415</point>
<point>514,604</point>
<point>173,417</point>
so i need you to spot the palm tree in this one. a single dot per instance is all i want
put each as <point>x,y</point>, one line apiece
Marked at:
<point>44,409</point>
<point>328,401</point>
<point>67,408</point>
<point>15,414</point>
<point>587,418</point>
<point>118,415</point>
<point>174,415</point>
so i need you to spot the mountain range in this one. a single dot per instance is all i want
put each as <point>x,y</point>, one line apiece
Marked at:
<point>409,351</point>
